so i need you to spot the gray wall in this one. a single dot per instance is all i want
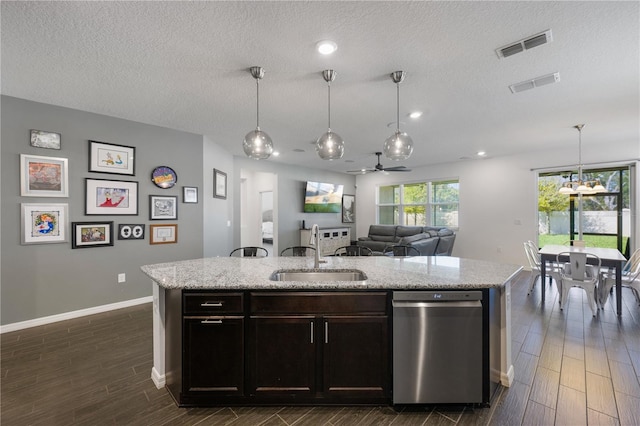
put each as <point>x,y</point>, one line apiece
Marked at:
<point>48,279</point>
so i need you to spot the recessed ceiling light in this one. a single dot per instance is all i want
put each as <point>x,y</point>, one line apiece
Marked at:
<point>326,47</point>
<point>275,153</point>
<point>415,114</point>
<point>481,153</point>
<point>298,150</point>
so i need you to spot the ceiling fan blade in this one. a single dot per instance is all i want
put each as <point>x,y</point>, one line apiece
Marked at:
<point>361,171</point>
<point>395,169</point>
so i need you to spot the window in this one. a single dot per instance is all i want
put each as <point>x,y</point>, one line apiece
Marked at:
<point>419,204</point>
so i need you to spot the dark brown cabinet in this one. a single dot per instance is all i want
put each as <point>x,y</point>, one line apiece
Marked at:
<point>275,347</point>
<point>283,356</point>
<point>214,355</point>
<point>356,360</point>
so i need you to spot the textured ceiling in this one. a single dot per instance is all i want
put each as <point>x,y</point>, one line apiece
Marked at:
<point>184,65</point>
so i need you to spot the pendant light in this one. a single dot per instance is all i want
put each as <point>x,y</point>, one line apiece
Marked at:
<point>398,146</point>
<point>257,144</point>
<point>581,186</point>
<point>330,145</point>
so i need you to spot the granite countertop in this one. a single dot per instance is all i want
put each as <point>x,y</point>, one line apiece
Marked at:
<point>420,272</point>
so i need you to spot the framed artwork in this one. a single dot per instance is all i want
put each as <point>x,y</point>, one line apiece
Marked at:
<point>110,158</point>
<point>189,194</point>
<point>219,184</point>
<point>163,234</point>
<point>131,231</point>
<point>91,234</point>
<point>348,208</point>
<point>111,197</point>
<point>43,223</point>
<point>163,207</point>
<point>44,139</point>
<point>43,176</point>
<point>164,177</point>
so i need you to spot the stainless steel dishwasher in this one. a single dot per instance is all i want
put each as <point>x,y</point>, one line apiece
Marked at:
<point>437,347</point>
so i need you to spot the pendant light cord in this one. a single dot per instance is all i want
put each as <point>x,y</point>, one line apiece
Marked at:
<point>398,107</point>
<point>329,103</point>
<point>258,103</point>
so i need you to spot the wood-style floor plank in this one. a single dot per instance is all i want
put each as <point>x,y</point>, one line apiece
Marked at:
<point>570,369</point>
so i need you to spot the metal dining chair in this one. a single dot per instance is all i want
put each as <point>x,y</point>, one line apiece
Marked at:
<point>535,262</point>
<point>630,278</point>
<point>298,251</point>
<point>581,271</point>
<point>400,250</point>
<point>353,251</point>
<point>249,252</point>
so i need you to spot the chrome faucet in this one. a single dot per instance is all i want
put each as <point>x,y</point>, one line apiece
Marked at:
<point>314,241</point>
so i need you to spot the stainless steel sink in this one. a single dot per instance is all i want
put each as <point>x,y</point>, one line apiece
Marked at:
<point>318,275</point>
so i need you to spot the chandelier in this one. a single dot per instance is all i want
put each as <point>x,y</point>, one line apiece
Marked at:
<point>584,187</point>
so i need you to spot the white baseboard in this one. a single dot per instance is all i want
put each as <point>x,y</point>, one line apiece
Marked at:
<point>73,314</point>
<point>506,379</point>
<point>158,380</point>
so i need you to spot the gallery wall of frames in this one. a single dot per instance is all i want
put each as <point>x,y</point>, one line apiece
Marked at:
<point>132,193</point>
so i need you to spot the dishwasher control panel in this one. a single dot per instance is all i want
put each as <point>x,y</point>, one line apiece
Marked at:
<point>436,296</point>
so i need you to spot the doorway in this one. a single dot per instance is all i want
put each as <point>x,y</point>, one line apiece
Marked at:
<point>258,210</point>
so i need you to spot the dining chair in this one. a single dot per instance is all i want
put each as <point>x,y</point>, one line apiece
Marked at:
<point>535,262</point>
<point>249,252</point>
<point>400,250</point>
<point>581,271</point>
<point>630,278</point>
<point>353,251</point>
<point>298,251</point>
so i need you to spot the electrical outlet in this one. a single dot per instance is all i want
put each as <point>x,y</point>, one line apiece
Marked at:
<point>122,278</point>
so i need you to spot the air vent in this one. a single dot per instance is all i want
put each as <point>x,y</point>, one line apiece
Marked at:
<point>525,44</point>
<point>535,82</point>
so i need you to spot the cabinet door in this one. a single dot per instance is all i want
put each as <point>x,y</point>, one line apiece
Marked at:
<point>282,355</point>
<point>356,356</point>
<point>214,355</point>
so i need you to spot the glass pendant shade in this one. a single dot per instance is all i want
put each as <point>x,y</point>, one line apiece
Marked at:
<point>330,146</point>
<point>257,145</point>
<point>398,146</point>
<point>584,187</point>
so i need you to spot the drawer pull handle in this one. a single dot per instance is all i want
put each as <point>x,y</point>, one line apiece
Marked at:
<point>211,304</point>
<point>207,321</point>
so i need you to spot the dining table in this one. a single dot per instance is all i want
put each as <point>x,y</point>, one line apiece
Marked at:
<point>609,257</point>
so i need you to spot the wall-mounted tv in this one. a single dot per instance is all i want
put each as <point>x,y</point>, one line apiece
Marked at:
<point>323,198</point>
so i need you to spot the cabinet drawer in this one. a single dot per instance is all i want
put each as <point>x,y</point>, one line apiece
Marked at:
<point>212,303</point>
<point>352,303</point>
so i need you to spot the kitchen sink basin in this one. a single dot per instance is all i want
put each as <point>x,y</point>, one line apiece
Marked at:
<point>318,275</point>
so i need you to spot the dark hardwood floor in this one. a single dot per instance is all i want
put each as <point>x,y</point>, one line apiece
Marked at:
<point>570,369</point>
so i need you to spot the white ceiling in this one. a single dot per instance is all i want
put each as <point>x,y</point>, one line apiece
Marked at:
<point>184,65</point>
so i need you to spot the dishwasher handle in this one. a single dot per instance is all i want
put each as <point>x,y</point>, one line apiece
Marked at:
<point>444,304</point>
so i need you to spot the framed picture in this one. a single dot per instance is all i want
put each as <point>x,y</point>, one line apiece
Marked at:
<point>91,234</point>
<point>111,197</point>
<point>110,158</point>
<point>163,234</point>
<point>219,184</point>
<point>163,207</point>
<point>44,139</point>
<point>43,223</point>
<point>131,231</point>
<point>164,177</point>
<point>189,194</point>
<point>43,176</point>
<point>348,208</point>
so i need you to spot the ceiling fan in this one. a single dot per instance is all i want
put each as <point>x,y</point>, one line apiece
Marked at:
<point>380,168</point>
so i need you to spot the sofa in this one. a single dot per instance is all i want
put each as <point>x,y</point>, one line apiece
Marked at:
<point>429,240</point>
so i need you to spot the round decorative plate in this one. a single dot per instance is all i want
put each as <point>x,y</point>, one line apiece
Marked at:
<point>164,177</point>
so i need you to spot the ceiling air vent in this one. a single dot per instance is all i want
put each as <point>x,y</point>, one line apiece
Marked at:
<point>535,82</point>
<point>524,44</point>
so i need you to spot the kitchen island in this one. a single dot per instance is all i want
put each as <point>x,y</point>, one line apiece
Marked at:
<point>253,313</point>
